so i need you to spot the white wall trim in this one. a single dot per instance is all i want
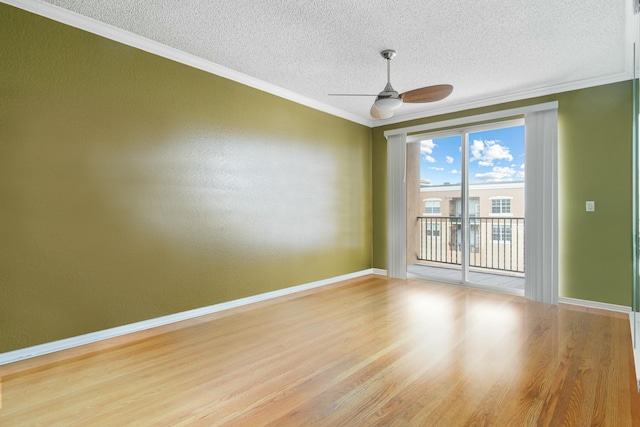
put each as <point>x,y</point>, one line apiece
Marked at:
<point>634,321</point>
<point>595,304</point>
<point>64,344</point>
<point>93,26</point>
<point>562,300</point>
<point>510,97</point>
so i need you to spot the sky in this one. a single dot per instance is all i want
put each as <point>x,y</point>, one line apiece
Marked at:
<point>494,156</point>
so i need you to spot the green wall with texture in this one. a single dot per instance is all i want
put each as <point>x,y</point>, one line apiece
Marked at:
<point>133,187</point>
<point>594,138</point>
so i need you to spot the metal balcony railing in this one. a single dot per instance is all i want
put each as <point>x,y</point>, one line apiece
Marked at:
<point>495,243</point>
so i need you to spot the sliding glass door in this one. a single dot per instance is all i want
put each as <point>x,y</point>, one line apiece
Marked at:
<point>470,200</point>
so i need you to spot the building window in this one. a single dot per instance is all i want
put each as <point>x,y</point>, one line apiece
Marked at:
<point>474,206</point>
<point>432,207</point>
<point>501,233</point>
<point>500,205</point>
<point>433,229</point>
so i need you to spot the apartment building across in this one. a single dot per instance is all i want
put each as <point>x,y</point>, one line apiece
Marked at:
<point>496,225</point>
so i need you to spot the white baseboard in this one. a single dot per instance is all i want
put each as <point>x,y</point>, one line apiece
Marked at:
<point>635,321</point>
<point>64,344</point>
<point>595,304</point>
<point>67,343</point>
<point>564,300</point>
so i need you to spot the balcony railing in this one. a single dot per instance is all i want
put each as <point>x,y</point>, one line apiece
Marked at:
<point>495,243</point>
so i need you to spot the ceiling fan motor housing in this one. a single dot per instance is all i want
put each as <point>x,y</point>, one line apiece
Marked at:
<point>388,99</point>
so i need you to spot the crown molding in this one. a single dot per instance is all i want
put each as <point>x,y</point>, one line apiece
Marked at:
<point>93,26</point>
<point>516,96</point>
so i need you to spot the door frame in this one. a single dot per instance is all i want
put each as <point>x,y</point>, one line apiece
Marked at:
<point>541,256</point>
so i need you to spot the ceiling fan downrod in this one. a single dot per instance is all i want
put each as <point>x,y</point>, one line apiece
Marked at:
<point>388,99</point>
<point>388,54</point>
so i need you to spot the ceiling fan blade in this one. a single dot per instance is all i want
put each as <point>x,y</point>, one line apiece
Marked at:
<point>377,113</point>
<point>351,94</point>
<point>427,94</point>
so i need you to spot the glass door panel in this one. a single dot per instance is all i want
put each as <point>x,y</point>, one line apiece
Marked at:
<point>439,252</point>
<point>496,169</point>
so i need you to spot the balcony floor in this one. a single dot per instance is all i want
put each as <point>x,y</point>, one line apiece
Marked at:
<point>452,274</point>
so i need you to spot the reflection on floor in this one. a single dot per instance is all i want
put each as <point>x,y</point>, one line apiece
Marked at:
<point>452,274</point>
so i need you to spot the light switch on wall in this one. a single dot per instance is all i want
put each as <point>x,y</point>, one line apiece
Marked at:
<point>591,206</point>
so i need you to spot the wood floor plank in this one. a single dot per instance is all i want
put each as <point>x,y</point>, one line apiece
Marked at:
<point>371,352</point>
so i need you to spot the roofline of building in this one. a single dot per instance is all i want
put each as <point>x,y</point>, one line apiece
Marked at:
<point>478,186</point>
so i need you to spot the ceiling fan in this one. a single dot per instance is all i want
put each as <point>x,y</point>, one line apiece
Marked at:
<point>389,100</point>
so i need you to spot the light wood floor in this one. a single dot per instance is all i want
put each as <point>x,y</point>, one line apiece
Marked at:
<point>373,351</point>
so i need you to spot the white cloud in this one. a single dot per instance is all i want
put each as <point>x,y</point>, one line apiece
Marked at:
<point>498,174</point>
<point>426,149</point>
<point>477,147</point>
<point>522,166</point>
<point>488,151</point>
<point>454,171</point>
<point>497,152</point>
<point>436,168</point>
<point>427,146</point>
<point>449,159</point>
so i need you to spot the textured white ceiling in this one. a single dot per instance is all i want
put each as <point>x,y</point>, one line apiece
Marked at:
<point>490,50</point>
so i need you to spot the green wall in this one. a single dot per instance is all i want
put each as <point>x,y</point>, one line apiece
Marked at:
<point>594,164</point>
<point>133,187</point>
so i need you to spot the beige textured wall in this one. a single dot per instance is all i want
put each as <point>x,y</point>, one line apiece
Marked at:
<point>133,187</point>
